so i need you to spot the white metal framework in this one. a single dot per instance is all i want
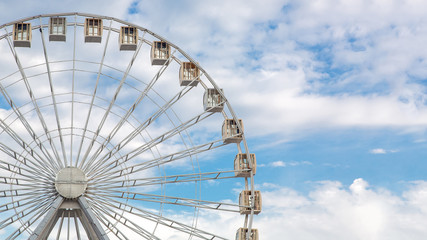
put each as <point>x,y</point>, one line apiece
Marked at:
<point>100,143</point>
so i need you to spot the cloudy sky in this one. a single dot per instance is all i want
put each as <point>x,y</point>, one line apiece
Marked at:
<point>332,94</point>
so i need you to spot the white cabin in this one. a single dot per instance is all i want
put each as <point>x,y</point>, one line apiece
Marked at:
<point>231,132</point>
<point>245,201</point>
<point>57,29</point>
<point>22,35</point>
<point>213,101</point>
<point>93,30</point>
<point>189,74</point>
<point>128,38</point>
<point>160,52</point>
<point>241,234</point>
<point>241,163</point>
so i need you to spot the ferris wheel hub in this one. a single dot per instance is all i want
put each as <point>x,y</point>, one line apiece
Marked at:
<point>71,182</point>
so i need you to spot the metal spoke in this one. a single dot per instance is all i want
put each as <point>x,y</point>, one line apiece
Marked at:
<point>52,91</point>
<point>16,192</point>
<point>104,160</point>
<point>23,167</point>
<point>101,64</point>
<point>48,166</point>
<point>29,210</point>
<point>157,141</point>
<point>72,95</point>
<point>121,218</point>
<point>38,213</point>
<point>110,226</point>
<point>132,209</point>
<point>34,101</point>
<point>107,112</point>
<point>126,170</point>
<point>20,182</point>
<point>10,206</point>
<point>160,180</point>
<point>129,112</point>
<point>195,203</point>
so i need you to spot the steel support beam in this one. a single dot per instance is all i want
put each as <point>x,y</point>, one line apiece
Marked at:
<point>78,208</point>
<point>45,227</point>
<point>92,220</point>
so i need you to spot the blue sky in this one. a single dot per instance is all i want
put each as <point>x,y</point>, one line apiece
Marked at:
<point>332,94</point>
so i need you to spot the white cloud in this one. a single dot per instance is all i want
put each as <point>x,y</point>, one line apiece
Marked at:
<point>278,164</point>
<point>382,151</point>
<point>378,151</point>
<point>332,211</point>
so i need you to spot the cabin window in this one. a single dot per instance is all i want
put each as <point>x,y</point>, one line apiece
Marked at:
<point>22,35</point>
<point>22,31</point>
<point>129,35</point>
<point>93,30</point>
<point>57,26</point>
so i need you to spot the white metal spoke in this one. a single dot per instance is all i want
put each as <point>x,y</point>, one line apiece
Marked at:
<point>37,213</point>
<point>112,227</point>
<point>10,206</point>
<point>18,192</point>
<point>132,209</point>
<point>34,101</point>
<point>109,210</point>
<point>29,210</point>
<point>72,95</point>
<point>23,165</point>
<point>109,173</point>
<point>129,112</point>
<point>194,203</point>
<point>50,163</point>
<point>160,180</point>
<point>52,93</point>
<point>158,140</point>
<point>107,112</point>
<point>101,64</point>
<point>107,158</point>
<point>20,182</point>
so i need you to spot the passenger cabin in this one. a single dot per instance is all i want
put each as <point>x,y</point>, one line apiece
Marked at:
<point>189,74</point>
<point>160,52</point>
<point>245,201</point>
<point>241,234</point>
<point>57,29</point>
<point>231,132</point>
<point>213,101</point>
<point>241,163</point>
<point>93,30</point>
<point>128,38</point>
<point>22,35</point>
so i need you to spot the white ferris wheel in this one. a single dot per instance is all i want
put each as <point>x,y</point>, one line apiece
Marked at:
<point>110,131</point>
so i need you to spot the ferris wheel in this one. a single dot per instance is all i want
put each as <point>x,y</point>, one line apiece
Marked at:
<point>110,131</point>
